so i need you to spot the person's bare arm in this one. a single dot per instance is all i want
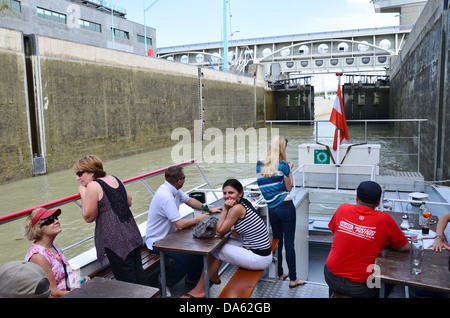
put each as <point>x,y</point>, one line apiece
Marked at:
<point>89,199</point>
<point>42,262</point>
<point>185,223</point>
<point>439,243</point>
<point>404,248</point>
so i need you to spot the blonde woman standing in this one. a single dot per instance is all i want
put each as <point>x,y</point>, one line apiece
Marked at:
<point>275,182</point>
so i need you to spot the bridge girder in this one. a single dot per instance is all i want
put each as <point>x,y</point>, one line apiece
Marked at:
<point>326,52</point>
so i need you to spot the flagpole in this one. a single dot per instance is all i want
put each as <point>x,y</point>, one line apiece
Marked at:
<point>338,161</point>
<point>338,155</point>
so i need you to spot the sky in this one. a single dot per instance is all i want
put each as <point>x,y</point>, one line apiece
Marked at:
<point>180,22</point>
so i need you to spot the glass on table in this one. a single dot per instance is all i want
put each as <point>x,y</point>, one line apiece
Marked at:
<point>426,225</point>
<point>416,256</point>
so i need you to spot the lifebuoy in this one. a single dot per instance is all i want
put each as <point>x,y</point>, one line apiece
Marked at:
<point>321,157</point>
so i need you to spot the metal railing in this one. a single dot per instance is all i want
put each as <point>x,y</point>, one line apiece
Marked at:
<point>366,135</point>
<point>302,170</point>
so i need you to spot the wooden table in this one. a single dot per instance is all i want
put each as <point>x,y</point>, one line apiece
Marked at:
<point>99,287</point>
<point>395,266</point>
<point>184,241</point>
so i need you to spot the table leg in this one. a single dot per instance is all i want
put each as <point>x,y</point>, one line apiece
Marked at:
<point>406,291</point>
<point>206,275</point>
<point>382,289</point>
<point>162,264</point>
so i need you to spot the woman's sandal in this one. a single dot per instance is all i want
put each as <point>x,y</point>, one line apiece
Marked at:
<point>214,283</point>
<point>284,276</point>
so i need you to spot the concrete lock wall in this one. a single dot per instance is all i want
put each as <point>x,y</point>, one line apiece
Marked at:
<point>91,100</point>
<point>15,154</point>
<point>420,87</point>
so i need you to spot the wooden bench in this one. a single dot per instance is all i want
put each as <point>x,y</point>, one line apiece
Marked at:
<point>243,281</point>
<point>149,260</point>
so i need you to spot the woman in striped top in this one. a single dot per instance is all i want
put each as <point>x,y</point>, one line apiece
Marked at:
<point>249,246</point>
<point>275,182</point>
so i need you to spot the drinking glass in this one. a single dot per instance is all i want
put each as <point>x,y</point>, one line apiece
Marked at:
<point>416,256</point>
<point>426,226</point>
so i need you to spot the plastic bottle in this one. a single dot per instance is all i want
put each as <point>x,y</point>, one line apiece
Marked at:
<point>80,276</point>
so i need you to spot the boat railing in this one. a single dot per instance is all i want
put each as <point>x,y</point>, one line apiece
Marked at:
<point>76,197</point>
<point>414,136</point>
<point>401,205</point>
<point>302,170</point>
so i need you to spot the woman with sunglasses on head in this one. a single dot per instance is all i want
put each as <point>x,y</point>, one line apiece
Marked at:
<point>249,247</point>
<point>105,201</point>
<point>274,177</point>
<point>42,227</point>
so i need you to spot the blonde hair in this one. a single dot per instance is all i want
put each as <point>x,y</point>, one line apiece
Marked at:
<point>31,232</point>
<point>277,152</point>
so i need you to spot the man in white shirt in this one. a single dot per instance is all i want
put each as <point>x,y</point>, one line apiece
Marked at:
<point>164,218</point>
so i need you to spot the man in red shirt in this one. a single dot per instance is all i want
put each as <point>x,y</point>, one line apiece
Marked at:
<point>359,235</point>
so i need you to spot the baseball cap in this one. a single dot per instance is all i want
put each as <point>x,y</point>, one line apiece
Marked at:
<point>21,279</point>
<point>369,192</point>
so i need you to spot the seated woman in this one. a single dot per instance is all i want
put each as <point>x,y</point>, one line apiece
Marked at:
<point>42,227</point>
<point>250,245</point>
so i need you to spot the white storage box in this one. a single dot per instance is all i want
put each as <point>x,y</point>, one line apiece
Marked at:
<point>316,158</point>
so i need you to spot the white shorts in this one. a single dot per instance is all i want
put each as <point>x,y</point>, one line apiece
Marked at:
<point>232,252</point>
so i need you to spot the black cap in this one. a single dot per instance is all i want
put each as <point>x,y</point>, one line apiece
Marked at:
<point>369,192</point>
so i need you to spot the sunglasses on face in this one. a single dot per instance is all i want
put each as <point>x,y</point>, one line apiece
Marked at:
<point>49,220</point>
<point>79,173</point>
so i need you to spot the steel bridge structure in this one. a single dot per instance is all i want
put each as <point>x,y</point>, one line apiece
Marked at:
<point>358,50</point>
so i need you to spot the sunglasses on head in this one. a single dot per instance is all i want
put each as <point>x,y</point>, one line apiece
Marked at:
<point>49,220</point>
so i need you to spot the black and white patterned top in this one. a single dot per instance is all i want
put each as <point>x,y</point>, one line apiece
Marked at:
<point>253,230</point>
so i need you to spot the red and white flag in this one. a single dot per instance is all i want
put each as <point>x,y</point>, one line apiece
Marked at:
<point>337,118</point>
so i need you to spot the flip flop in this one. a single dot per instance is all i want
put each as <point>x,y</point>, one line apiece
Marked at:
<point>284,276</point>
<point>215,283</point>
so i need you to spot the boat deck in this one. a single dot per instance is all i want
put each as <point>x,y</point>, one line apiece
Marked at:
<point>264,289</point>
<point>314,288</point>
